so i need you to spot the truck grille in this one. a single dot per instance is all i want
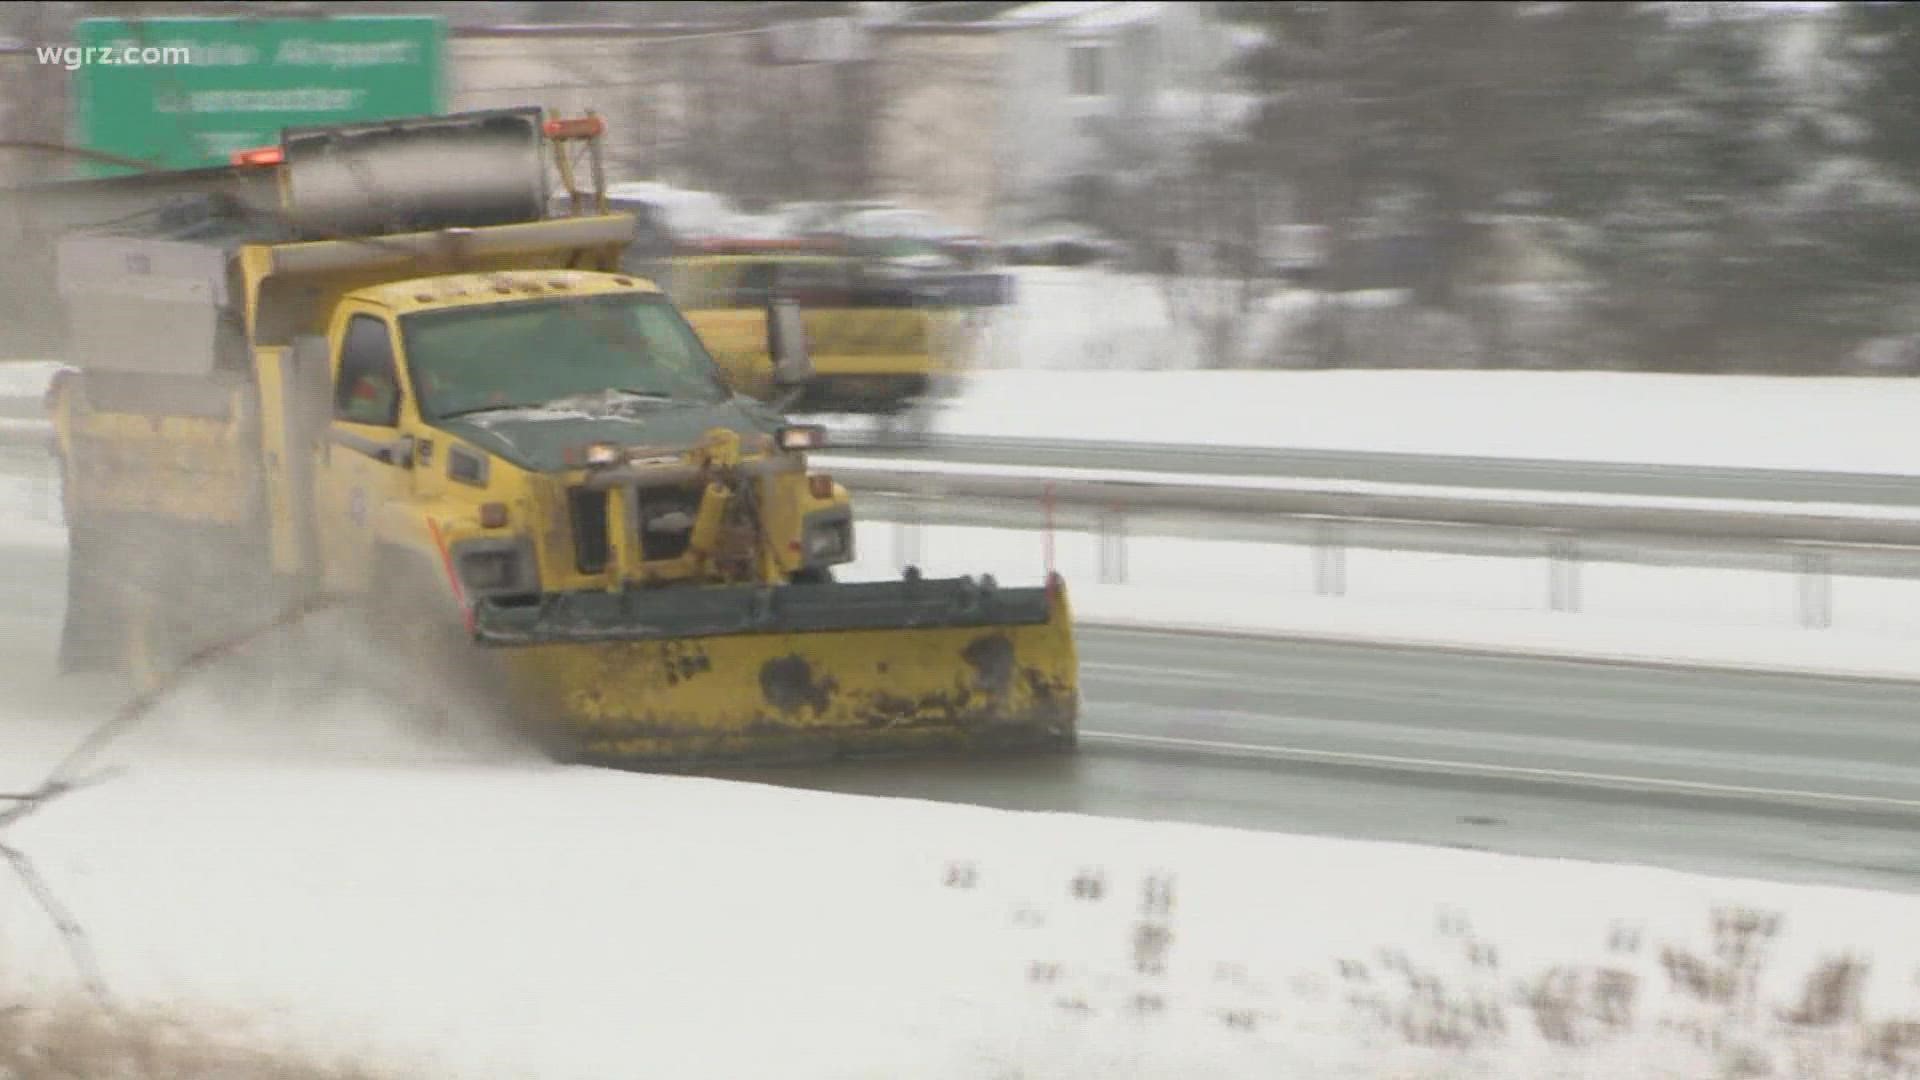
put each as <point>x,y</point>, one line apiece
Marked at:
<point>661,520</point>
<point>666,521</point>
<point>592,546</point>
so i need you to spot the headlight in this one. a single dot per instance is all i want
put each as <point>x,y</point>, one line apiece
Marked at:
<point>802,437</point>
<point>829,541</point>
<point>489,571</point>
<point>601,454</point>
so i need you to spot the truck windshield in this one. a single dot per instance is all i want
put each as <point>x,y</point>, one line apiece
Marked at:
<point>529,353</point>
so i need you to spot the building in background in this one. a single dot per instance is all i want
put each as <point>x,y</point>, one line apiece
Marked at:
<point>991,112</point>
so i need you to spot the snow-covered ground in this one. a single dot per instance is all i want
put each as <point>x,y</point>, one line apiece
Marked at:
<point>1082,319</point>
<point>1098,319</point>
<point>1848,425</point>
<point>26,378</point>
<point>324,876</point>
<point>1093,354</point>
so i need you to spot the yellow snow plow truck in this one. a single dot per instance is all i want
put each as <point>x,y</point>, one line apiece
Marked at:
<point>370,365</point>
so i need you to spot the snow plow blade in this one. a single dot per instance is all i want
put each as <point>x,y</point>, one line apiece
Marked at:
<point>725,674</point>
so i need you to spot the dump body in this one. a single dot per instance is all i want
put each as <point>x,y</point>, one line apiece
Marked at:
<point>525,470</point>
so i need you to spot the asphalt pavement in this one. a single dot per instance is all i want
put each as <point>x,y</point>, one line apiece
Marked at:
<point>1770,776</point>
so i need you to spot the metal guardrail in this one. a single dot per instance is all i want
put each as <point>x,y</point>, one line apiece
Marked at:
<point>1813,542</point>
<point>1399,467</point>
<point>24,434</point>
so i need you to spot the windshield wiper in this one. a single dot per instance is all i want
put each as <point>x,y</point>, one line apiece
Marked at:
<point>570,401</point>
<point>606,395</point>
<point>481,409</point>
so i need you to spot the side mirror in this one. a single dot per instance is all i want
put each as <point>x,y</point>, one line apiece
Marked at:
<point>787,344</point>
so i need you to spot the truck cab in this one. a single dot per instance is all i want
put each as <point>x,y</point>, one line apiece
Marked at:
<point>487,395</point>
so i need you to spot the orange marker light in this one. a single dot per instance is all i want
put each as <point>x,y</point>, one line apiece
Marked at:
<point>264,155</point>
<point>581,128</point>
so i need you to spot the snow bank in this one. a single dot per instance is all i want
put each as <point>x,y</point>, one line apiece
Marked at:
<point>31,533</point>
<point>1843,425</point>
<point>1083,319</point>
<point>26,378</point>
<point>1096,318</point>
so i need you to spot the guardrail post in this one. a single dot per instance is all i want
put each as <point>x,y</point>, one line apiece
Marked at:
<point>1815,574</point>
<point>1563,572</point>
<point>1046,503</point>
<point>1113,547</point>
<point>906,536</point>
<point>1329,560</point>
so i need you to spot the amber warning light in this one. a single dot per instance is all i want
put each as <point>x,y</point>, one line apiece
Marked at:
<point>580,128</point>
<point>264,155</point>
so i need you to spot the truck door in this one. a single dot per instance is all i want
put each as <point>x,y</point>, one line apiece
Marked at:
<point>361,474</point>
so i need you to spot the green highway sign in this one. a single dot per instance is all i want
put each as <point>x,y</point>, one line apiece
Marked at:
<point>188,92</point>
